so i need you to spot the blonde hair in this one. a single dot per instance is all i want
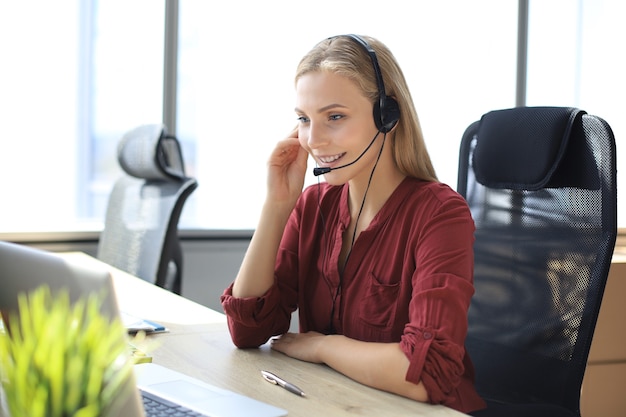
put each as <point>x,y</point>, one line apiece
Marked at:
<point>344,56</point>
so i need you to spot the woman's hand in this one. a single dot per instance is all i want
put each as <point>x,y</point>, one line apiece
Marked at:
<point>302,346</point>
<point>286,168</point>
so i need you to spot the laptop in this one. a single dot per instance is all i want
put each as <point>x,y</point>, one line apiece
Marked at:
<point>23,268</point>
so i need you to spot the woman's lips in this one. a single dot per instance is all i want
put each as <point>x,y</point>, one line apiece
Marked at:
<point>329,160</point>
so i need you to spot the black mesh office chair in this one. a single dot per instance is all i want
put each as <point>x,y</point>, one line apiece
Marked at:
<point>140,233</point>
<point>540,182</point>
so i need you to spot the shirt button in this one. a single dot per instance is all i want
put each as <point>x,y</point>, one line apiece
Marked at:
<point>427,335</point>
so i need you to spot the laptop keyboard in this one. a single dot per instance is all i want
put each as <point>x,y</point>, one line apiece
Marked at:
<point>155,406</point>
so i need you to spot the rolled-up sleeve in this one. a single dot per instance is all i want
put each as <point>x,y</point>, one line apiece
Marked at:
<point>253,320</point>
<point>434,340</point>
<point>436,362</point>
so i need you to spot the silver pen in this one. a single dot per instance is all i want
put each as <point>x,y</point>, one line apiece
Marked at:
<point>270,377</point>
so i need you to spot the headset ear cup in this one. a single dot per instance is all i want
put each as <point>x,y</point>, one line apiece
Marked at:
<point>386,117</point>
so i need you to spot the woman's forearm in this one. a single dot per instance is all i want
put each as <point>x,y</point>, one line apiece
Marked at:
<point>256,274</point>
<point>287,166</point>
<point>378,365</point>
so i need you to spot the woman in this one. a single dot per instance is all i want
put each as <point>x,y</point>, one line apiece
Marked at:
<point>378,259</point>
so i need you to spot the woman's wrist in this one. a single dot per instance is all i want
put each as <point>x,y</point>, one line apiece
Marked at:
<point>328,345</point>
<point>277,209</point>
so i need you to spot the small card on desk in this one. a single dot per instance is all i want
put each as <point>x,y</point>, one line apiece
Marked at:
<point>138,355</point>
<point>135,324</point>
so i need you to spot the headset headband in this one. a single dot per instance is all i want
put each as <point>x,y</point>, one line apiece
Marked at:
<point>386,112</point>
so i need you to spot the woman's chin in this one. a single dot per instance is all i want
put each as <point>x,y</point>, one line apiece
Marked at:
<point>335,178</point>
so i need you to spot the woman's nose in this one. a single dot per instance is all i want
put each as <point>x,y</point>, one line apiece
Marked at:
<point>317,137</point>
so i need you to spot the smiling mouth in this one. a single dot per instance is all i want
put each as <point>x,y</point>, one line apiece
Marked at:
<point>330,159</point>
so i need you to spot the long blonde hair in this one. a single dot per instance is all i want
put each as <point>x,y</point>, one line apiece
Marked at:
<point>344,56</point>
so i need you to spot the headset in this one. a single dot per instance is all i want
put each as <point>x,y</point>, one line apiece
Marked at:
<point>386,109</point>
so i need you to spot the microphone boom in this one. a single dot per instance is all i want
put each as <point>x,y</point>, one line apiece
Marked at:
<point>317,171</point>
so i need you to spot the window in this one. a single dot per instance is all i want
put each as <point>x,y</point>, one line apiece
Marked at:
<point>75,76</point>
<point>78,74</point>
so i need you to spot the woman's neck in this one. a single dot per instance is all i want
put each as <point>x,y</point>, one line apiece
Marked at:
<point>372,196</point>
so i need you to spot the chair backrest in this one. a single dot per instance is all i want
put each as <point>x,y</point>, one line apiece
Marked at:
<point>540,182</point>
<point>140,233</point>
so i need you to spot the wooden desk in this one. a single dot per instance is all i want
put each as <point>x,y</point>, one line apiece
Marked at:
<point>199,345</point>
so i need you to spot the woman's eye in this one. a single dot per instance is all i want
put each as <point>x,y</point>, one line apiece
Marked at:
<point>303,119</point>
<point>335,116</point>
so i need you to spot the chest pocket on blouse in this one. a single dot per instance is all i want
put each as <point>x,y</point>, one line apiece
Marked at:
<point>378,307</point>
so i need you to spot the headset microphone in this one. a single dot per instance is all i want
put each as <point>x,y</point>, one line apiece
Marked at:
<point>325,170</point>
<point>320,171</point>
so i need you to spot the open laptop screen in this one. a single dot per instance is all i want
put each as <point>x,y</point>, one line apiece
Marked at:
<point>23,269</point>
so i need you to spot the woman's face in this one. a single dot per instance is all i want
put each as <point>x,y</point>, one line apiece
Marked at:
<point>335,124</point>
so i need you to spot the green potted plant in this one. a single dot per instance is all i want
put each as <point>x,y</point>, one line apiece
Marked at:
<point>61,359</point>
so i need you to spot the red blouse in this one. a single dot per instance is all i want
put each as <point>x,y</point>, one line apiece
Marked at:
<point>408,279</point>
